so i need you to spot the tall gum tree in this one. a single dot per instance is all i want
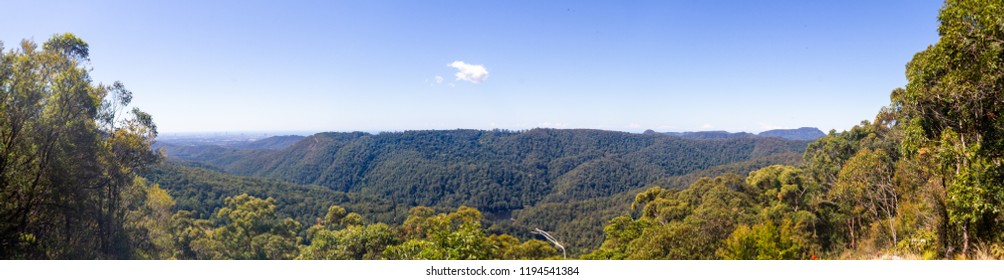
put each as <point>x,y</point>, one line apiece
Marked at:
<point>69,151</point>
<point>952,108</point>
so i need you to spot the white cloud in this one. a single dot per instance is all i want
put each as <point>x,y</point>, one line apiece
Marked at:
<point>473,73</point>
<point>707,126</point>
<point>439,79</point>
<point>634,125</point>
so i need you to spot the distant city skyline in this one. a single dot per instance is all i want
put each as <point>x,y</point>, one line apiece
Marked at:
<point>255,66</point>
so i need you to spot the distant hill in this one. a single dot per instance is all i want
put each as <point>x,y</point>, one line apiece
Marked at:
<point>804,133</point>
<point>711,134</point>
<point>800,134</point>
<point>271,143</point>
<point>495,171</point>
<point>234,142</point>
<point>220,150</point>
<point>505,174</point>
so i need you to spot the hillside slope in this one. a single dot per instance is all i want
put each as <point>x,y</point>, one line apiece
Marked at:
<point>568,181</point>
<point>495,171</point>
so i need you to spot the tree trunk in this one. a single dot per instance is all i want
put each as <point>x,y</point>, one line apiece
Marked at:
<point>850,226</point>
<point>965,238</point>
<point>892,230</point>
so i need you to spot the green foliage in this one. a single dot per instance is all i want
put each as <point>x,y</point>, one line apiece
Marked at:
<point>676,240</point>
<point>186,229</point>
<point>850,178</point>
<point>149,222</point>
<point>69,154</point>
<point>353,242</point>
<point>203,191</point>
<point>335,215</point>
<point>343,236</point>
<point>687,224</point>
<point>825,157</point>
<point>249,229</point>
<point>620,232</point>
<point>763,241</point>
<point>692,223</point>
<point>864,191</point>
<point>580,222</point>
<point>950,107</point>
<point>785,188</point>
<point>453,236</point>
<point>532,249</point>
<point>460,236</point>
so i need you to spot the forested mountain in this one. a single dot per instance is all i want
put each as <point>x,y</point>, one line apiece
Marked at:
<point>202,191</point>
<point>239,141</point>
<point>271,143</point>
<point>804,133</point>
<point>499,171</point>
<point>495,171</point>
<point>201,149</point>
<point>717,134</point>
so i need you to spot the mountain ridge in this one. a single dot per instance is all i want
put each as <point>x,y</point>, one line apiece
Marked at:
<point>800,134</point>
<point>515,178</point>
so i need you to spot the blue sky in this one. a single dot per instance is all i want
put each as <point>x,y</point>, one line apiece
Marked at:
<point>200,66</point>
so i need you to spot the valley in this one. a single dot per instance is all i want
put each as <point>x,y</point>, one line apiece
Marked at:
<point>520,180</point>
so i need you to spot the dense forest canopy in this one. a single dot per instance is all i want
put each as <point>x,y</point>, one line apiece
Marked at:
<point>79,179</point>
<point>495,171</point>
<point>587,175</point>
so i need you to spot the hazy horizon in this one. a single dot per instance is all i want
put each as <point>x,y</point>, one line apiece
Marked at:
<point>402,65</point>
<point>270,133</point>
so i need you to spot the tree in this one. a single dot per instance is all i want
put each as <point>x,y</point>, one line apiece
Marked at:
<point>951,108</point>
<point>620,233</point>
<point>69,153</point>
<point>249,229</point>
<point>781,185</point>
<point>763,241</point>
<point>343,236</point>
<point>866,192</point>
<point>189,233</point>
<point>507,247</point>
<point>453,236</point>
<point>149,221</point>
<point>354,242</point>
<point>687,224</point>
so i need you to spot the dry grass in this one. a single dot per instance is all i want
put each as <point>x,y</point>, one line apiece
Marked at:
<point>987,252</point>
